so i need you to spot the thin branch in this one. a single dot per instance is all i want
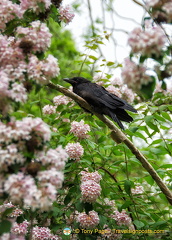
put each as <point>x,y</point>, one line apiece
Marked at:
<point>138,3</point>
<point>122,17</point>
<point>118,136</point>
<point>120,189</point>
<point>91,17</point>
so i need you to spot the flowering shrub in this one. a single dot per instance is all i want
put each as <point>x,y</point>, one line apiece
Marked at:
<point>79,129</point>
<point>90,186</point>
<point>66,14</point>
<point>147,42</point>
<point>135,75</point>
<point>59,166</point>
<point>89,220</point>
<point>74,150</point>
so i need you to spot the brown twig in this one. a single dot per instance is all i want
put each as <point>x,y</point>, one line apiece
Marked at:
<point>120,189</point>
<point>118,136</point>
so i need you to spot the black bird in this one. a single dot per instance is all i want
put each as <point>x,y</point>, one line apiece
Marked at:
<point>102,101</point>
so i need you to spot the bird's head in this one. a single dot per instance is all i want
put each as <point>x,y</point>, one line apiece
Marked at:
<point>75,80</point>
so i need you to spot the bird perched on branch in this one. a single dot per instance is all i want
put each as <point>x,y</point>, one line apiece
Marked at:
<point>102,101</point>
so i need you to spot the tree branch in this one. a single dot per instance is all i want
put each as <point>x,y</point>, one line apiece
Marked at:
<point>118,136</point>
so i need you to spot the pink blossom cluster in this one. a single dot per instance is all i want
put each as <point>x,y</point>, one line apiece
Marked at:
<point>160,10</point>
<point>41,191</point>
<point>19,187</point>
<point>89,220</point>
<point>148,42</point>
<point>16,211</point>
<point>56,158</point>
<point>11,55</point>
<point>94,176</point>
<point>90,186</point>
<point>74,150</point>
<point>80,129</point>
<point>22,188</point>
<point>34,5</point>
<point>57,100</point>
<point>111,204</point>
<point>90,191</point>
<point>118,88</point>
<point>114,90</point>
<point>25,132</point>
<point>37,34</point>
<point>60,99</point>
<point>8,11</point>
<point>43,233</point>
<point>20,228</point>
<point>134,75</point>
<point>66,14</point>
<point>28,126</point>
<point>19,231</point>
<point>42,70</point>
<point>14,68</point>
<point>52,175</point>
<point>49,109</point>
<point>122,218</point>
<point>137,190</point>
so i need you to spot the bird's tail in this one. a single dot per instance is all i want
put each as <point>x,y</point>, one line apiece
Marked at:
<point>123,115</point>
<point>115,119</point>
<point>128,107</point>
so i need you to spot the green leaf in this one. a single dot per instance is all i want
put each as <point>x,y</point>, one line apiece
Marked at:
<point>95,46</point>
<point>166,116</point>
<point>148,118</point>
<point>127,186</point>
<point>125,205</point>
<point>67,199</point>
<point>153,126</point>
<point>103,220</point>
<point>138,134</point>
<point>159,225</point>
<point>158,117</point>
<point>110,64</point>
<point>79,206</point>
<point>5,226</point>
<point>92,57</point>
<point>149,180</point>
<point>138,224</point>
<point>166,166</point>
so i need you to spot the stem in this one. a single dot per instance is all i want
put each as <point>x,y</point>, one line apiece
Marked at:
<point>120,189</point>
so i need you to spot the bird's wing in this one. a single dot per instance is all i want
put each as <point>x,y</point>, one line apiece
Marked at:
<point>111,100</point>
<point>98,95</point>
<point>93,92</point>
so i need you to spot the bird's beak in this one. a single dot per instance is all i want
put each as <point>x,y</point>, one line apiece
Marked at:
<point>66,79</point>
<point>69,80</point>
